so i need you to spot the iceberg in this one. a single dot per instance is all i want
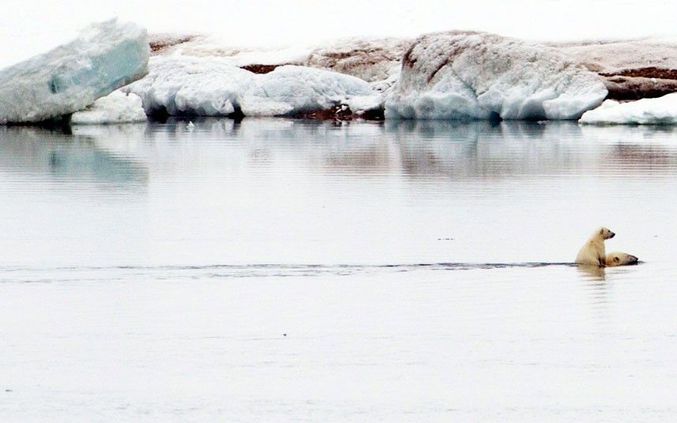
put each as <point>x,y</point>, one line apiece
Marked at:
<point>213,86</point>
<point>647,111</point>
<point>116,107</point>
<point>105,57</point>
<point>474,75</point>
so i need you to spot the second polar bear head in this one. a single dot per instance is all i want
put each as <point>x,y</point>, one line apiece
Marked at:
<point>620,259</point>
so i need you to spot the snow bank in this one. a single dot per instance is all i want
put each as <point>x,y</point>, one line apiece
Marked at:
<point>69,78</point>
<point>370,59</point>
<point>469,75</point>
<point>214,46</point>
<point>652,111</point>
<point>191,85</point>
<point>632,69</point>
<point>116,107</point>
<point>616,56</point>
<point>164,42</point>
<point>290,90</point>
<point>215,87</point>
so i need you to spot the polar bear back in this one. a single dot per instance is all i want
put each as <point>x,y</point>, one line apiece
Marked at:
<point>592,253</point>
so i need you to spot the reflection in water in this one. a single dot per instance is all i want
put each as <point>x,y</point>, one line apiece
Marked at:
<point>593,273</point>
<point>597,290</point>
<point>64,156</point>
<point>518,148</point>
<point>430,148</point>
<point>420,148</point>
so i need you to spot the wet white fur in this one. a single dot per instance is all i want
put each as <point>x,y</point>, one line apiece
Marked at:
<point>593,252</point>
<point>623,259</point>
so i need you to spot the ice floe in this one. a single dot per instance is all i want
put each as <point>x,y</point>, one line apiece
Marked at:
<point>212,86</point>
<point>116,107</point>
<point>470,75</point>
<point>69,78</point>
<point>647,111</point>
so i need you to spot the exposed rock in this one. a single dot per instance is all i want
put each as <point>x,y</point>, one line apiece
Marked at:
<point>259,68</point>
<point>340,113</point>
<point>635,88</point>
<point>160,43</point>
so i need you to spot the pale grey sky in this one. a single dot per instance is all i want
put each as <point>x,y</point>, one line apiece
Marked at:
<point>33,26</point>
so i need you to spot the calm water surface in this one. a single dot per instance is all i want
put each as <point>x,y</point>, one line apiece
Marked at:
<point>275,270</point>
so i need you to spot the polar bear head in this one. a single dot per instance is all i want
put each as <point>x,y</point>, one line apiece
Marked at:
<point>620,259</point>
<point>605,233</point>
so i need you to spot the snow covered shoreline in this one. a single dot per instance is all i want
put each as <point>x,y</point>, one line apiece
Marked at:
<point>647,111</point>
<point>631,69</point>
<point>452,75</point>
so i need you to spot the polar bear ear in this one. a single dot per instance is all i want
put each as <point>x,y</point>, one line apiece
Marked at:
<point>601,231</point>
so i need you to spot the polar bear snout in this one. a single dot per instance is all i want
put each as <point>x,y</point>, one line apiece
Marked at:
<point>611,235</point>
<point>623,259</point>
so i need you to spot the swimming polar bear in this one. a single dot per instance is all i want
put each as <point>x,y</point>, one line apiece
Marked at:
<point>620,259</point>
<point>593,252</point>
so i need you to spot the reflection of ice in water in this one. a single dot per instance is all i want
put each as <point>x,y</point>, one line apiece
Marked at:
<point>424,148</point>
<point>66,156</point>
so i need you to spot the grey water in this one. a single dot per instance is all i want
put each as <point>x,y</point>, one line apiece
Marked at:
<point>282,270</point>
